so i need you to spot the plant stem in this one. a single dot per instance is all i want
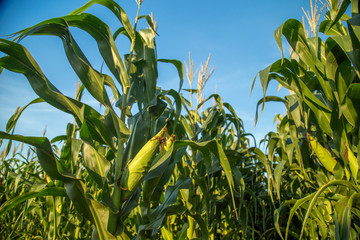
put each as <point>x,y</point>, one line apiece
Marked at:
<point>125,93</point>
<point>54,209</point>
<point>116,196</point>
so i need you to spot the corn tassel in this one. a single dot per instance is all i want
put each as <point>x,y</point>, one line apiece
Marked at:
<point>137,169</point>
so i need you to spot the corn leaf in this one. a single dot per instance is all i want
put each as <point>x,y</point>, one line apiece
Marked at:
<point>51,191</point>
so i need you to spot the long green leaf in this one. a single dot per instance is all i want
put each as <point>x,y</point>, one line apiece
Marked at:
<point>92,79</point>
<point>15,117</point>
<point>115,8</point>
<point>52,191</point>
<point>20,60</point>
<point>179,66</point>
<point>106,44</point>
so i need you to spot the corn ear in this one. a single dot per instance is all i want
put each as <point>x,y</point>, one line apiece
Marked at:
<point>149,185</point>
<point>137,169</point>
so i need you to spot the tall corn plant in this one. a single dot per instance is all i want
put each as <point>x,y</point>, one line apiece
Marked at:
<point>116,147</point>
<point>314,152</point>
<point>198,174</point>
<point>108,158</point>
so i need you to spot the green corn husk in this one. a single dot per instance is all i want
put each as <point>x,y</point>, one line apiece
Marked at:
<point>149,185</point>
<point>137,169</point>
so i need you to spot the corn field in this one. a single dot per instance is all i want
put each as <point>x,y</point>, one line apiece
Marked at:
<point>175,164</point>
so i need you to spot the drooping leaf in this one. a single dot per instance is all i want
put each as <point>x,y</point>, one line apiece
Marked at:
<point>115,8</point>
<point>15,117</point>
<point>277,176</point>
<point>106,44</point>
<point>179,66</point>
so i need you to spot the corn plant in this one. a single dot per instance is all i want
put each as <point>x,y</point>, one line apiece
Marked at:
<point>118,167</point>
<point>314,153</point>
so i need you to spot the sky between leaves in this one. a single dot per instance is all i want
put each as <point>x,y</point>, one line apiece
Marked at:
<point>238,35</point>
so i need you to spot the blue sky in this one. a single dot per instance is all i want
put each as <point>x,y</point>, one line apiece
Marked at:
<point>237,34</point>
